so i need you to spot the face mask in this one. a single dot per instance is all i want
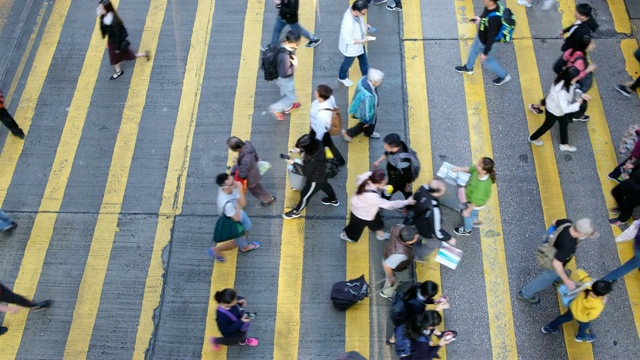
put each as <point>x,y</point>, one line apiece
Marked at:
<point>108,19</point>
<point>98,11</point>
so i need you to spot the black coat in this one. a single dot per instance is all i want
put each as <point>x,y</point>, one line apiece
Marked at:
<point>116,33</point>
<point>573,40</point>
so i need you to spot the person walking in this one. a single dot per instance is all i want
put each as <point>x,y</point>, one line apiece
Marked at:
<point>631,87</point>
<point>363,106</point>
<point>287,62</point>
<point>562,101</point>
<point>630,265</point>
<point>288,15</point>
<point>626,194</point>
<point>6,223</point>
<point>483,44</point>
<point>630,157</point>
<point>232,320</point>
<point>567,235</point>
<point>246,168</point>
<point>8,121</point>
<point>398,257</point>
<point>584,308</point>
<point>313,167</point>
<point>401,165</point>
<point>231,201</point>
<point>113,28</point>
<point>366,204</point>
<point>9,297</point>
<point>353,36</point>
<point>585,25</point>
<point>321,113</point>
<point>477,192</point>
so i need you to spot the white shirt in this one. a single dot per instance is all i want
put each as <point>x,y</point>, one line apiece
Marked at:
<point>352,28</point>
<point>320,117</point>
<point>560,102</point>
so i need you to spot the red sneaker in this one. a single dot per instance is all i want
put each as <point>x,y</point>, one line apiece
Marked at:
<point>250,342</point>
<point>293,107</point>
<point>278,115</point>
<point>214,346</point>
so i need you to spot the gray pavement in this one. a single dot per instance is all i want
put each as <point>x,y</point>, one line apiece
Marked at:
<point>181,317</point>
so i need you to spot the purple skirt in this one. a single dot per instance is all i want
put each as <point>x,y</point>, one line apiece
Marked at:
<point>116,58</point>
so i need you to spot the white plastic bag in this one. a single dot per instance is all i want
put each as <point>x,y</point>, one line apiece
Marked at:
<point>630,233</point>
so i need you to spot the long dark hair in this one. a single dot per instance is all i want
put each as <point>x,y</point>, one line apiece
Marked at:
<point>225,296</point>
<point>108,7</point>
<point>417,324</point>
<point>488,166</point>
<point>428,289</point>
<point>566,75</point>
<point>377,176</point>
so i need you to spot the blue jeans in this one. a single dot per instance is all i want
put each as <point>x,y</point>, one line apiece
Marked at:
<point>348,61</point>
<point>246,222</point>
<point>545,279</point>
<point>476,48</point>
<point>287,91</point>
<point>566,317</point>
<point>625,268</point>
<point>280,24</point>
<point>5,221</point>
<point>468,221</point>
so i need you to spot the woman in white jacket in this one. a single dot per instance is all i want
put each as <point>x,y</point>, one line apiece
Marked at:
<point>353,36</point>
<point>562,100</point>
<point>365,206</point>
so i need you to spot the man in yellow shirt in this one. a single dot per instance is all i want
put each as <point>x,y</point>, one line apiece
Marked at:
<point>584,308</point>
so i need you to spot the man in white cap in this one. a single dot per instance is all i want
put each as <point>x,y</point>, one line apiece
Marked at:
<point>553,256</point>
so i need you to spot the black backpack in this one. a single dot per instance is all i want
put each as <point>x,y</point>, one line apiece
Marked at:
<point>398,309</point>
<point>346,293</point>
<point>333,168</point>
<point>269,61</point>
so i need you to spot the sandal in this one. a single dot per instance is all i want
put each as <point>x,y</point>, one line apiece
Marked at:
<point>256,244</point>
<point>116,75</point>
<point>250,342</point>
<point>218,258</point>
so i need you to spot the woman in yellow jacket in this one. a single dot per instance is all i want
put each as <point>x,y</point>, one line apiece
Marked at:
<point>584,308</point>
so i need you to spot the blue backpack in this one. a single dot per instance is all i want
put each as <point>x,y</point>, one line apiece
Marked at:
<point>505,34</point>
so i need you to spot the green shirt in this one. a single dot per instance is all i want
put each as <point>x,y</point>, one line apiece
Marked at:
<point>478,191</point>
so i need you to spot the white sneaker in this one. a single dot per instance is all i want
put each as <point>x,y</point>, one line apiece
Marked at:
<point>568,148</point>
<point>547,4</point>
<point>384,237</point>
<point>344,237</point>
<point>346,82</point>
<point>535,142</point>
<point>374,135</point>
<point>524,3</point>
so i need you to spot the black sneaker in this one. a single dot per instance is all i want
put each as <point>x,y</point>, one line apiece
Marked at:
<point>313,43</point>
<point>461,231</point>
<point>624,90</point>
<point>534,300</point>
<point>499,81</point>
<point>396,7</point>
<point>327,201</point>
<point>463,69</point>
<point>583,118</point>
<point>390,344</point>
<point>291,214</point>
<point>42,304</point>
<point>547,330</point>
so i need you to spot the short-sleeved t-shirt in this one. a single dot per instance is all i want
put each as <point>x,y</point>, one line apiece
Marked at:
<point>565,243</point>
<point>394,260</point>
<point>223,198</point>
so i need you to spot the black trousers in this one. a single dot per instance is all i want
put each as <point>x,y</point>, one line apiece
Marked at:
<point>9,297</point>
<point>309,189</point>
<point>9,122</point>
<point>627,200</point>
<point>548,123</point>
<point>362,128</point>
<point>617,171</point>
<point>356,226</point>
<point>240,337</point>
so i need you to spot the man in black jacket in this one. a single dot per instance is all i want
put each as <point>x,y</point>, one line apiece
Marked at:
<point>288,15</point>
<point>488,30</point>
<point>584,26</point>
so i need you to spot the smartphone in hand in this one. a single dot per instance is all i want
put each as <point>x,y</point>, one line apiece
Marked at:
<point>285,157</point>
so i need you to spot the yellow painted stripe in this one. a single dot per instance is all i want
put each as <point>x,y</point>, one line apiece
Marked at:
<point>224,274</point>
<point>175,181</point>
<point>5,10</point>
<point>29,99</point>
<point>629,46</point>
<point>620,16</point>
<point>31,266</point>
<point>90,291</point>
<point>25,55</point>
<point>357,321</point>
<point>503,339</point>
<point>549,185</point>
<point>419,123</point>
<point>604,151</point>
<point>287,328</point>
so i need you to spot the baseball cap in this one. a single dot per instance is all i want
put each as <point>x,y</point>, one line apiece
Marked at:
<point>585,227</point>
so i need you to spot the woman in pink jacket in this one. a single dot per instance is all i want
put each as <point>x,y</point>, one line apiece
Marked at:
<point>365,206</point>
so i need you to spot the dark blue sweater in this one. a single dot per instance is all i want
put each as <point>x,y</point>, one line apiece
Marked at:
<point>231,327</point>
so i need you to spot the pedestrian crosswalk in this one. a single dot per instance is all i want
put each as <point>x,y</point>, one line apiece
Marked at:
<point>167,310</point>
